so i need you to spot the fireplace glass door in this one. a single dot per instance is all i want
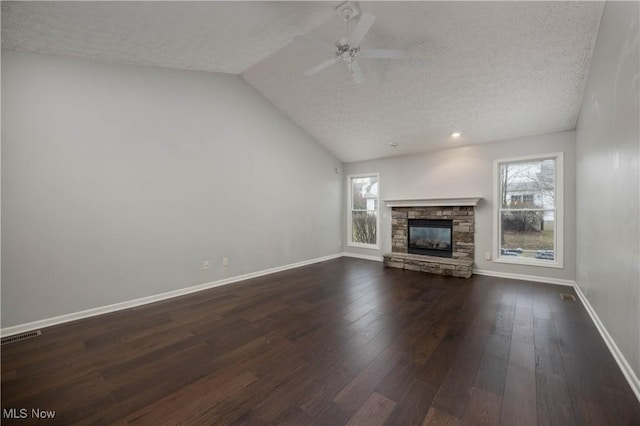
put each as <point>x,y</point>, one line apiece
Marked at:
<point>430,237</point>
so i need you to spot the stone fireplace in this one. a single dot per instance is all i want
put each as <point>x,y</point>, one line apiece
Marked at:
<point>433,235</point>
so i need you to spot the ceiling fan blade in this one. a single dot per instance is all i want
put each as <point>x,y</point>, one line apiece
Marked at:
<point>361,30</point>
<point>356,72</point>
<point>320,67</point>
<point>383,53</point>
<point>317,43</point>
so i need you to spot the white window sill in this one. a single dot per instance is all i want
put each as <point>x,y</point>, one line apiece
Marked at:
<point>364,246</point>
<point>529,262</point>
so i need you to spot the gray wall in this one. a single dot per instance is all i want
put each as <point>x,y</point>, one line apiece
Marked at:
<point>608,191</point>
<point>118,181</point>
<point>468,171</point>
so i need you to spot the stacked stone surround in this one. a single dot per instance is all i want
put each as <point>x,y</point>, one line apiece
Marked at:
<point>460,265</point>
<point>463,223</point>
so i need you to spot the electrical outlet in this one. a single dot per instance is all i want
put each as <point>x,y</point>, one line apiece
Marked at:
<point>206,265</point>
<point>487,255</point>
<point>225,261</point>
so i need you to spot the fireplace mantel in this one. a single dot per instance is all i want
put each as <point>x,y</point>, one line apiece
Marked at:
<point>434,202</point>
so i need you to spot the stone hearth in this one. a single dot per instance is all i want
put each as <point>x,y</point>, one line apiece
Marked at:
<point>430,264</point>
<point>461,262</point>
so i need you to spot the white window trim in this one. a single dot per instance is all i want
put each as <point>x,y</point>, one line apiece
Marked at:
<point>350,242</point>
<point>559,222</point>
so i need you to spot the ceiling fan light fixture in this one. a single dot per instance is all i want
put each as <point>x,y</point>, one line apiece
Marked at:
<point>456,135</point>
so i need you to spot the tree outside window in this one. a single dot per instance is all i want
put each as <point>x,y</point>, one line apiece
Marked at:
<point>363,212</point>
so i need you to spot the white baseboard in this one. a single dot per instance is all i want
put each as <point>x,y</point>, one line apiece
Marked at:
<point>21,328</point>
<point>362,256</point>
<point>523,277</point>
<point>628,372</point>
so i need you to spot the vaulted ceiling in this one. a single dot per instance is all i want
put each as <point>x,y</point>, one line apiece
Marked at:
<point>490,70</point>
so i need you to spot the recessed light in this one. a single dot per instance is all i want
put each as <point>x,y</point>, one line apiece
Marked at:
<point>455,135</point>
<point>393,144</point>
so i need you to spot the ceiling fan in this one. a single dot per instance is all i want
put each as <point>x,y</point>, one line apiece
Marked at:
<point>347,49</point>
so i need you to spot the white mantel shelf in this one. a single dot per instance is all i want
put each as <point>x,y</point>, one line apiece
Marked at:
<point>434,202</point>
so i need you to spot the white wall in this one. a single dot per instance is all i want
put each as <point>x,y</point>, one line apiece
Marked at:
<point>468,171</point>
<point>608,191</point>
<point>119,180</point>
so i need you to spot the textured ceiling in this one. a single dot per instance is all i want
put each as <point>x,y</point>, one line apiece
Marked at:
<point>491,70</point>
<point>207,36</point>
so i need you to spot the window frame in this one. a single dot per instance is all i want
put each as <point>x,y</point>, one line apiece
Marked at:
<point>350,241</point>
<point>558,234</point>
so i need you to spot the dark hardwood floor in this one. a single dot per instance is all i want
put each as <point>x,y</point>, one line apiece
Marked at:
<point>341,342</point>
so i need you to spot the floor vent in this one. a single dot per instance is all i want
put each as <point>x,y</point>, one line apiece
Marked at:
<point>21,336</point>
<point>566,296</point>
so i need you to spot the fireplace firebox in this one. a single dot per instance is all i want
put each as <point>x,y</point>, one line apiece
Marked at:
<point>430,237</point>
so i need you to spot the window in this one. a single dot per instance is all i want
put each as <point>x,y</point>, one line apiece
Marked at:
<point>364,199</point>
<point>528,216</point>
